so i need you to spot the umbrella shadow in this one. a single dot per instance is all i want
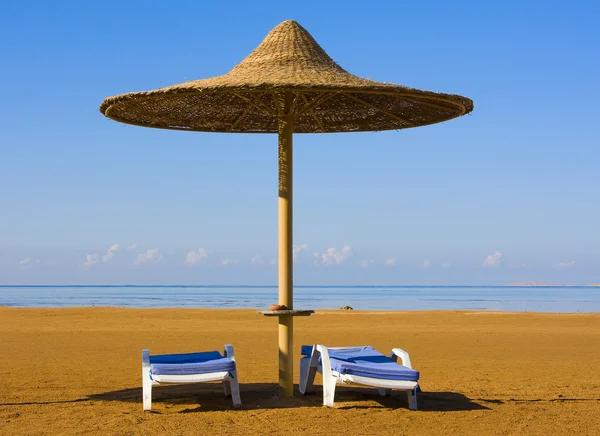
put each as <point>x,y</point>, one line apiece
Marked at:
<point>210,397</point>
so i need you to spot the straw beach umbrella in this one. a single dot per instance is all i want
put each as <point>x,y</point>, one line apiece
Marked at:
<point>287,85</point>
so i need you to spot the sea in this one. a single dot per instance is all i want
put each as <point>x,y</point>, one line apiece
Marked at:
<point>480,298</point>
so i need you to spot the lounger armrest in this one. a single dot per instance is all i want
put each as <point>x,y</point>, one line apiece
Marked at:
<point>326,371</point>
<point>145,359</point>
<point>228,352</point>
<point>403,355</point>
<point>325,361</point>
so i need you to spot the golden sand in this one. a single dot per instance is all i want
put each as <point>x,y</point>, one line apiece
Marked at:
<point>74,371</point>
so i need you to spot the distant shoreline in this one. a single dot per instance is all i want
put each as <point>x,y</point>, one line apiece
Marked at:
<point>536,284</point>
<point>515,284</point>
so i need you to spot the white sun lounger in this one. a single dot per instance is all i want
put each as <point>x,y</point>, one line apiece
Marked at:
<point>190,368</point>
<point>358,365</point>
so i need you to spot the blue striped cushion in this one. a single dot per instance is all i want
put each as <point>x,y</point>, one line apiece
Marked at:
<point>190,363</point>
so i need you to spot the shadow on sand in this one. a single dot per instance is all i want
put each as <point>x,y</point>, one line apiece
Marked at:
<point>207,397</point>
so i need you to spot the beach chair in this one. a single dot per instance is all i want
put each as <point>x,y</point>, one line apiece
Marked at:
<point>190,368</point>
<point>358,365</point>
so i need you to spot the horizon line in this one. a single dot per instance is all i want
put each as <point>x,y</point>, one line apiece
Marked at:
<point>509,285</point>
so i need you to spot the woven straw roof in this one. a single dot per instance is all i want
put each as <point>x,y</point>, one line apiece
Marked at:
<point>326,98</point>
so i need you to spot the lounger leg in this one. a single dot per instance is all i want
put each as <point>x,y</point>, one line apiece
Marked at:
<point>328,390</point>
<point>412,399</point>
<point>147,388</point>
<point>307,374</point>
<point>235,390</point>
<point>385,392</point>
<point>226,388</point>
<point>146,381</point>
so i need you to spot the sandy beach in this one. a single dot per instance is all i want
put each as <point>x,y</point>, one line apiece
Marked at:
<point>74,371</point>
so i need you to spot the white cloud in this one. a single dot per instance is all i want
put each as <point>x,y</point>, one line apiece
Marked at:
<point>427,263</point>
<point>257,259</point>
<point>493,259</point>
<point>336,257</point>
<point>390,261</point>
<point>564,265</point>
<point>366,263</point>
<point>194,257</point>
<point>228,261</point>
<point>298,249</point>
<point>90,259</point>
<point>152,255</point>
<point>132,247</point>
<point>28,262</point>
<point>446,264</point>
<point>110,253</point>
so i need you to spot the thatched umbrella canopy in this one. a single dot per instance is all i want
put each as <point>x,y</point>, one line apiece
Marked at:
<point>326,98</point>
<point>287,85</point>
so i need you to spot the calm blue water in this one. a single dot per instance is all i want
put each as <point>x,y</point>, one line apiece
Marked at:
<point>510,299</point>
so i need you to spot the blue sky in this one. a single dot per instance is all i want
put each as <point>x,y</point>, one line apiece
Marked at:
<point>509,193</point>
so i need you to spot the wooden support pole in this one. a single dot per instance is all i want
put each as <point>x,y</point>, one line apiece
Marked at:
<point>286,292</point>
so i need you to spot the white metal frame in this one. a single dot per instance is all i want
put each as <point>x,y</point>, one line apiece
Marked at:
<point>310,365</point>
<point>229,379</point>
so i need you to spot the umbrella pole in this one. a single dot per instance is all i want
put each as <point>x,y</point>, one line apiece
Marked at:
<point>286,322</point>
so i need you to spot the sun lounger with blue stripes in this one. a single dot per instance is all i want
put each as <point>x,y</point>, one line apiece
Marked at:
<point>190,368</point>
<point>358,365</point>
